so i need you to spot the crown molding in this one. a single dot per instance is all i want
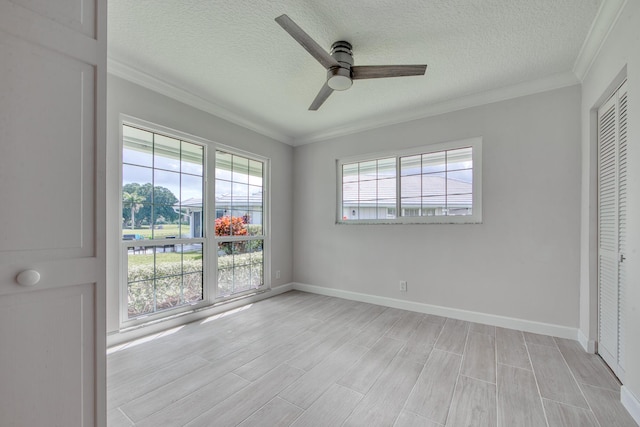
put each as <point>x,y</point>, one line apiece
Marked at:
<point>606,18</point>
<point>555,81</point>
<point>150,82</point>
<point>155,84</point>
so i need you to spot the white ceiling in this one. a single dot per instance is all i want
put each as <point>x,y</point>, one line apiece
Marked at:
<point>232,59</point>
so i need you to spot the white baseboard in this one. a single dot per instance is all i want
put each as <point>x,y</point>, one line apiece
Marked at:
<point>630,403</point>
<point>588,345</point>
<point>121,337</point>
<point>471,316</point>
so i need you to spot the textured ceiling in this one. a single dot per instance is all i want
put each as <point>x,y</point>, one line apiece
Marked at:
<point>233,57</point>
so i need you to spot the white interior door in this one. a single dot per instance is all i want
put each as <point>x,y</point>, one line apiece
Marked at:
<point>52,143</point>
<point>612,221</point>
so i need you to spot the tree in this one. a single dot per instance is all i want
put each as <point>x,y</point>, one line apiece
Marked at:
<point>157,201</point>
<point>163,202</point>
<point>134,202</point>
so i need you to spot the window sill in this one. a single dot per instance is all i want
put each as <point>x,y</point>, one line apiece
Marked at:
<point>415,221</point>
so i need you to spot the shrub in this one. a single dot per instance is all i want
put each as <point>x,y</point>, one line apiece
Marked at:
<point>230,225</point>
<point>176,283</point>
<point>239,273</point>
<point>254,229</point>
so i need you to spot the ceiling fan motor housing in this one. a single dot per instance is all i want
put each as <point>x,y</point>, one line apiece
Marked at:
<point>339,78</point>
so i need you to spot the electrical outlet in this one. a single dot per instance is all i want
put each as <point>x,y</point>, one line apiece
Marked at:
<point>277,274</point>
<point>403,286</point>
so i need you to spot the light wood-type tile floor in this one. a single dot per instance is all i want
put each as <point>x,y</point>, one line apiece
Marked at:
<point>304,360</point>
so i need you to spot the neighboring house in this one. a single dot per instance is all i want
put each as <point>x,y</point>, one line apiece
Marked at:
<point>432,195</point>
<point>191,209</point>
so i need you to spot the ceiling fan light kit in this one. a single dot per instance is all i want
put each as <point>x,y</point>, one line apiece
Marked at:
<point>339,79</point>
<point>339,64</point>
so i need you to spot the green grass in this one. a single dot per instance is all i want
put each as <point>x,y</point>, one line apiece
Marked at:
<point>167,230</point>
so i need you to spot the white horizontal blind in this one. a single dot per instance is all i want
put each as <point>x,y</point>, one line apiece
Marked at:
<point>438,183</point>
<point>369,189</point>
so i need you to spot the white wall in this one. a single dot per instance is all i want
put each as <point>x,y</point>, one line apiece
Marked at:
<point>521,262</point>
<point>619,56</point>
<point>124,97</point>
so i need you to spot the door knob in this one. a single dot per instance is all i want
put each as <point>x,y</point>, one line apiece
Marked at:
<point>28,278</point>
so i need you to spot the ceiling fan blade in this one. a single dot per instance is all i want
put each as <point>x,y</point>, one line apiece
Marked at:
<point>381,71</point>
<point>321,55</point>
<point>321,97</point>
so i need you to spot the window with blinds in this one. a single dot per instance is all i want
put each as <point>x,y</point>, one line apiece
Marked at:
<point>433,184</point>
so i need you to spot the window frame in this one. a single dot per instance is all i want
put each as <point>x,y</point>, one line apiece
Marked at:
<point>209,242</point>
<point>475,218</point>
<point>266,224</point>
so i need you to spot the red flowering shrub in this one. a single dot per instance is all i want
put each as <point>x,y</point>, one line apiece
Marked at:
<point>230,226</point>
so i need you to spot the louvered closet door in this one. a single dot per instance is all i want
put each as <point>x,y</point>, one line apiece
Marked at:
<point>612,220</point>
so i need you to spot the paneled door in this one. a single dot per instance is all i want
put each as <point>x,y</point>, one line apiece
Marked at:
<point>612,227</point>
<point>52,225</point>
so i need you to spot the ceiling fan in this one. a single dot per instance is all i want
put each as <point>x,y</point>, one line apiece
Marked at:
<point>339,64</point>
